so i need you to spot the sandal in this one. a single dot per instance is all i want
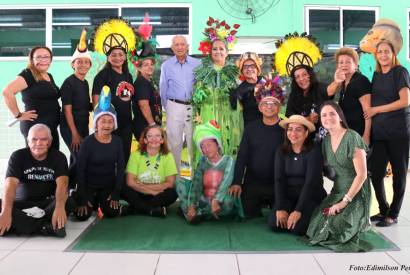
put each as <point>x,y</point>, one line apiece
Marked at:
<point>387,222</point>
<point>377,218</point>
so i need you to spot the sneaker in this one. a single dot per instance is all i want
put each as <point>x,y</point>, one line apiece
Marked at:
<point>387,222</point>
<point>48,230</point>
<point>377,218</point>
<point>160,211</point>
<point>126,210</point>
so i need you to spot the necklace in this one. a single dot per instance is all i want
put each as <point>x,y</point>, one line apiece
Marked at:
<point>148,162</point>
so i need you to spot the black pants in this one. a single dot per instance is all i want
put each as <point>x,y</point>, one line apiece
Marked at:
<point>98,197</point>
<point>65,132</point>
<point>142,203</point>
<point>255,196</point>
<point>303,223</point>
<point>23,224</point>
<point>397,152</point>
<point>125,133</point>
<point>49,121</point>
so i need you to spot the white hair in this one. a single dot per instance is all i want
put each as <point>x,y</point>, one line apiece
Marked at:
<point>179,36</point>
<point>40,127</point>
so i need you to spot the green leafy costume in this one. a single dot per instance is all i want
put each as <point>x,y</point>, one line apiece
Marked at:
<point>211,102</point>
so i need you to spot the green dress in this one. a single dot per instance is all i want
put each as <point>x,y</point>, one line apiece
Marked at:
<point>342,232</point>
<point>211,102</point>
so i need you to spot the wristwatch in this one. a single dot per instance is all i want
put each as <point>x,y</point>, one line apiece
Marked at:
<point>19,114</point>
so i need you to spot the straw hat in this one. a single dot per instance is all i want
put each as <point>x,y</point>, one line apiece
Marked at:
<point>300,120</point>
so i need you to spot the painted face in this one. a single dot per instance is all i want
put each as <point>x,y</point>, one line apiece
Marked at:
<point>329,117</point>
<point>219,52</point>
<point>105,124</point>
<point>41,60</point>
<point>39,142</point>
<point>180,47</point>
<point>384,54</point>
<point>296,133</point>
<point>302,78</point>
<point>147,68</point>
<point>154,138</point>
<point>249,70</point>
<point>81,65</point>
<point>117,58</point>
<point>209,148</point>
<point>346,64</point>
<point>269,108</point>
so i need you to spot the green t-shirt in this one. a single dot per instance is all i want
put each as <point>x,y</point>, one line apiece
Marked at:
<point>151,169</point>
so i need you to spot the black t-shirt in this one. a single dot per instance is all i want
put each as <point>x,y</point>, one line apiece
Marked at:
<point>358,86</point>
<point>303,105</point>
<point>117,83</point>
<point>298,179</point>
<point>41,96</point>
<point>75,92</point>
<point>245,94</point>
<point>385,90</point>
<point>37,178</point>
<point>257,153</point>
<point>100,165</point>
<point>145,90</point>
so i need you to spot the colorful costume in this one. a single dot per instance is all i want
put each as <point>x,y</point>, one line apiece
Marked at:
<point>213,87</point>
<point>210,181</point>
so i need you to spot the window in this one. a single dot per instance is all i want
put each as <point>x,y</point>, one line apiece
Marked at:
<point>335,27</point>
<point>166,22</point>
<point>68,23</point>
<point>21,30</point>
<point>59,27</point>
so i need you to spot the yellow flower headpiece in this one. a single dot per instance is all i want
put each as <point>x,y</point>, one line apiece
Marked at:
<point>295,50</point>
<point>113,33</point>
<point>249,56</point>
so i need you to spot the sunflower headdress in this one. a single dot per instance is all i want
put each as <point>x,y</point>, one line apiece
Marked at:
<point>218,30</point>
<point>114,33</point>
<point>296,50</point>
<point>145,46</point>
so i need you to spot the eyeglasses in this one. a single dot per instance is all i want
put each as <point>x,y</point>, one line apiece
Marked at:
<point>249,66</point>
<point>42,57</point>
<point>269,104</point>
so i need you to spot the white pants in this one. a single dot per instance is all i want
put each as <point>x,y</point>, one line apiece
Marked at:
<point>179,122</point>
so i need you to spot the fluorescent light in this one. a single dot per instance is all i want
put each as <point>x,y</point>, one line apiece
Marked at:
<point>11,24</point>
<point>150,23</point>
<point>72,24</point>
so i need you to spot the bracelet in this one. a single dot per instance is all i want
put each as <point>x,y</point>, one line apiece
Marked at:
<point>347,199</point>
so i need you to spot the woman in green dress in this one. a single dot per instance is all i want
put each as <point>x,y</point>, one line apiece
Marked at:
<point>215,78</point>
<point>344,214</point>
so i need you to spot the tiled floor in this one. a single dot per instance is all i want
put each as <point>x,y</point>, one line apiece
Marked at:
<point>40,255</point>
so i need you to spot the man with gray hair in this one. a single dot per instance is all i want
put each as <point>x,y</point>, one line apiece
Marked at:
<point>176,85</point>
<point>36,188</point>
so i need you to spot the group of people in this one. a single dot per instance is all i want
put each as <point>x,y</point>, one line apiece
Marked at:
<point>244,156</point>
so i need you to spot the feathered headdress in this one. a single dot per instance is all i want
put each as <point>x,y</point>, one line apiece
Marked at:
<point>104,107</point>
<point>114,33</point>
<point>218,30</point>
<point>270,88</point>
<point>145,46</point>
<point>82,50</point>
<point>296,50</point>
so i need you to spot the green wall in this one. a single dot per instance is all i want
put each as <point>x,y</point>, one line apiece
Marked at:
<point>286,16</point>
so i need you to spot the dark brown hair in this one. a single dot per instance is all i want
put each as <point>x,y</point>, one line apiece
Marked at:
<point>287,145</point>
<point>36,73</point>
<point>338,110</point>
<point>143,145</point>
<point>124,66</point>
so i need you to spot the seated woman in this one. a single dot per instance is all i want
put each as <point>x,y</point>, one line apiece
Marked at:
<point>151,175</point>
<point>298,178</point>
<point>344,214</point>
<point>206,196</point>
<point>100,166</point>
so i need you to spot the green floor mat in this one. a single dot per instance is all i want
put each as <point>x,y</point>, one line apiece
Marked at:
<point>173,234</point>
